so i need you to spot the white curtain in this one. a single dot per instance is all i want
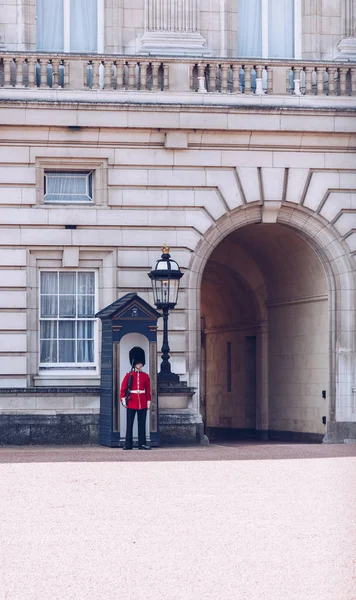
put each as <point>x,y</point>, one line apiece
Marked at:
<point>281,29</point>
<point>249,28</point>
<point>83,26</point>
<point>48,327</point>
<point>50,25</point>
<point>65,338</point>
<point>62,186</point>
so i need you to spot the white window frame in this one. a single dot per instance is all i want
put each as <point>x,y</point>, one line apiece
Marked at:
<point>66,25</point>
<point>99,168</point>
<point>72,368</point>
<point>297,29</point>
<point>90,183</point>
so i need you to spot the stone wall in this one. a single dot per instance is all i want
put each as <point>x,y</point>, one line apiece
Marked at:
<point>237,165</point>
<point>324,23</point>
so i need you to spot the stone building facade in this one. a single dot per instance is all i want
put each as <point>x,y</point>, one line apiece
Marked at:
<point>224,129</point>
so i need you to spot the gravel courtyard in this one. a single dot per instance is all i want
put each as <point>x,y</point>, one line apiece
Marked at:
<point>234,521</point>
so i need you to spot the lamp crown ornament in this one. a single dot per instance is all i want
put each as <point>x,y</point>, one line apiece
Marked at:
<point>165,249</point>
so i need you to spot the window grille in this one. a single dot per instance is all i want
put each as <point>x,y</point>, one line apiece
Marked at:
<point>67,319</point>
<point>68,186</point>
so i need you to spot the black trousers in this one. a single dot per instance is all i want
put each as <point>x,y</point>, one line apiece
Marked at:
<point>141,418</point>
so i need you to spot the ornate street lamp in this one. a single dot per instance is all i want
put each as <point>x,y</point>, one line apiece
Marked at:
<point>165,277</point>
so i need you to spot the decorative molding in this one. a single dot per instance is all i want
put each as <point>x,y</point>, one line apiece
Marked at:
<point>172,27</point>
<point>349,18</point>
<point>102,260</point>
<point>297,300</point>
<point>347,46</point>
<point>249,326</point>
<point>63,163</point>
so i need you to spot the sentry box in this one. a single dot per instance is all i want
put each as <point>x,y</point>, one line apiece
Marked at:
<point>128,322</point>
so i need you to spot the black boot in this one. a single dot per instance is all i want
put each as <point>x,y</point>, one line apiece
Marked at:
<point>143,447</point>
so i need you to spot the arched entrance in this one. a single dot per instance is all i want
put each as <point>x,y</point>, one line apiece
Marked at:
<point>273,315</point>
<point>264,309</point>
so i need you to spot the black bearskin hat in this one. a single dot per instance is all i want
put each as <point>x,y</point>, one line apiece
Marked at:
<point>137,355</point>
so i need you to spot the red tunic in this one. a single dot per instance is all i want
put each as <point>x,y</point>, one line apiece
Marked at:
<point>140,390</point>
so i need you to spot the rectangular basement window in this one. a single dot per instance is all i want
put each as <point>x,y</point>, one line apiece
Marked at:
<point>68,186</point>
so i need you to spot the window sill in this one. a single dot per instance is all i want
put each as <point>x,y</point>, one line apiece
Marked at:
<point>68,203</point>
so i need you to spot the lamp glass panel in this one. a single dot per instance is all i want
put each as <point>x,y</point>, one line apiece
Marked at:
<point>165,285</point>
<point>173,291</point>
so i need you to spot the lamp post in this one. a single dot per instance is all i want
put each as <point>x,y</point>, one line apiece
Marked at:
<point>165,278</point>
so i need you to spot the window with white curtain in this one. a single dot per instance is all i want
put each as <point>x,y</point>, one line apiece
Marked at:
<point>266,28</point>
<point>69,25</point>
<point>68,186</point>
<point>67,319</point>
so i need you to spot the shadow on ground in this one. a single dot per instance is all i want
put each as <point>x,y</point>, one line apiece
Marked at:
<point>243,450</point>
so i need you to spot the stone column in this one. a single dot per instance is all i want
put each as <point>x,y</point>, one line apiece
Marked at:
<point>347,46</point>
<point>172,27</point>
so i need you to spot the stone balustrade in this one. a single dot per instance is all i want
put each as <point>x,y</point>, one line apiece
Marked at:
<point>274,77</point>
<point>138,73</point>
<point>95,72</point>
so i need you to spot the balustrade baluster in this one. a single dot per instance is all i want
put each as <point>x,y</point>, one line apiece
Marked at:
<point>353,81</point>
<point>331,72</point>
<point>107,74</point>
<point>32,63</point>
<point>43,72</point>
<point>7,71</point>
<point>166,76</point>
<point>201,77</point>
<point>132,67</point>
<point>143,75</point>
<point>269,80</point>
<point>289,88</point>
<point>119,75</point>
<point>224,77</point>
<point>191,76</point>
<point>96,74</point>
<point>212,77</point>
<point>247,69</point>
<point>66,66</point>
<point>19,72</point>
<point>343,73</point>
<point>236,79</point>
<point>55,73</point>
<point>155,69</point>
<point>259,88</point>
<point>308,80</point>
<point>320,80</point>
<point>86,74</point>
<point>201,69</point>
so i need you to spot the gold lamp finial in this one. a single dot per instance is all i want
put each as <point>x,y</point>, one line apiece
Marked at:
<point>165,249</point>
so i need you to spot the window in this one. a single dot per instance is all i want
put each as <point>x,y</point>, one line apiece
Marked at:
<point>68,186</point>
<point>67,319</point>
<point>69,25</point>
<point>267,28</point>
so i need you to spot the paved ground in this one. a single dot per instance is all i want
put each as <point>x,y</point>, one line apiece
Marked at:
<point>236,521</point>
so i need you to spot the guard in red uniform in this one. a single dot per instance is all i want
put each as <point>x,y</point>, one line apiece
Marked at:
<point>135,395</point>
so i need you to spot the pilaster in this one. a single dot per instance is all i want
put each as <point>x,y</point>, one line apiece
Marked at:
<point>172,27</point>
<point>347,46</point>
<point>262,409</point>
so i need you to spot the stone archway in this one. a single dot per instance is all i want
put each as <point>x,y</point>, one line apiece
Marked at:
<point>334,292</point>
